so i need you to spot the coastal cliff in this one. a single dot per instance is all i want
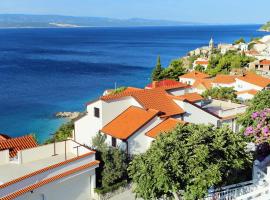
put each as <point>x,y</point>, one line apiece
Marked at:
<point>266,27</point>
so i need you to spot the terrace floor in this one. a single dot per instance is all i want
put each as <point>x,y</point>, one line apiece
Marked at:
<point>7,170</point>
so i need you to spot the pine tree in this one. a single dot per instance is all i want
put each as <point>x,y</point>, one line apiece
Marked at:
<point>156,74</point>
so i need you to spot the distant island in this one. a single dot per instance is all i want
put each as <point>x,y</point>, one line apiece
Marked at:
<point>53,21</point>
<point>266,27</point>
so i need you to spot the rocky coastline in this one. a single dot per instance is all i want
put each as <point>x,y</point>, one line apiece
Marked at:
<point>68,115</point>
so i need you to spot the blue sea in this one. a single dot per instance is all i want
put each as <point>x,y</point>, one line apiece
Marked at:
<point>43,71</point>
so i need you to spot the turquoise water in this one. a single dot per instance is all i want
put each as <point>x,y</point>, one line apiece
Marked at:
<point>43,71</point>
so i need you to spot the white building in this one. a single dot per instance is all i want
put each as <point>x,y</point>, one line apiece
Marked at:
<point>127,118</point>
<point>251,81</point>
<point>223,81</point>
<point>64,170</point>
<point>191,77</point>
<point>246,94</point>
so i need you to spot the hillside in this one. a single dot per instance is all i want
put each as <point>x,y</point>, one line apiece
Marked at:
<point>47,21</point>
<point>266,27</point>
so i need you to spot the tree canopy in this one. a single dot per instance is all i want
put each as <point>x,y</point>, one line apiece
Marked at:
<point>219,63</point>
<point>221,93</point>
<point>188,161</point>
<point>240,40</point>
<point>156,74</point>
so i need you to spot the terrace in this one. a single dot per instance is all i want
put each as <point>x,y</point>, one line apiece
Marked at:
<point>224,109</point>
<point>40,163</point>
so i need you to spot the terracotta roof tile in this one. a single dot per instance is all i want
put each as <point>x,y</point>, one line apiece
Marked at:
<point>16,144</point>
<point>30,188</point>
<point>195,75</point>
<point>167,84</point>
<point>252,92</point>
<point>164,126</point>
<point>128,122</point>
<point>201,62</point>
<point>206,83</point>
<point>224,79</point>
<point>255,79</point>
<point>265,62</point>
<point>192,97</point>
<point>156,99</point>
<point>4,137</point>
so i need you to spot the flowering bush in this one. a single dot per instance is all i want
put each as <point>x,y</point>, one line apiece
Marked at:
<point>259,132</point>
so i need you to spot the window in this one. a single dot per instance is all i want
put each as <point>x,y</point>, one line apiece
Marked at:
<point>113,142</point>
<point>256,66</point>
<point>96,112</point>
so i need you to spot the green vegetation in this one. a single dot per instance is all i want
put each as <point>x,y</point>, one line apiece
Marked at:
<point>118,90</point>
<point>219,63</point>
<point>112,172</point>
<point>221,93</point>
<point>199,68</point>
<point>241,40</point>
<point>175,69</point>
<point>258,103</point>
<point>266,27</point>
<point>188,161</point>
<point>64,132</point>
<point>156,74</point>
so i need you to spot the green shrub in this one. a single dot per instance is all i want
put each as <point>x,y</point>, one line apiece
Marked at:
<point>116,186</point>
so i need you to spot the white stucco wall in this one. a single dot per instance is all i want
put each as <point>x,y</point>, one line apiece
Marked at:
<point>245,96</point>
<point>4,157</point>
<point>75,187</point>
<point>139,142</point>
<point>242,85</point>
<point>196,115</point>
<point>189,81</point>
<point>223,85</point>
<point>88,126</point>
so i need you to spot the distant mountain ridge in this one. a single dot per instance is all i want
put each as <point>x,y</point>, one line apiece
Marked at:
<point>50,21</point>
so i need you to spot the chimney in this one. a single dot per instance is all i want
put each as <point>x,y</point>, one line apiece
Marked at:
<point>154,84</point>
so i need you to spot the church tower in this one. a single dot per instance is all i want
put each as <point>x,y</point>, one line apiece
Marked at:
<point>211,44</point>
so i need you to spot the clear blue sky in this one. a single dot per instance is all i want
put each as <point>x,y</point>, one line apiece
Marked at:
<point>207,11</point>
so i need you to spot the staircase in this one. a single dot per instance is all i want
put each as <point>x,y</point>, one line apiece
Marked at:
<point>258,188</point>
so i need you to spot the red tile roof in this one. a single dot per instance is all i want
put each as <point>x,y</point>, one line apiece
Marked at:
<point>167,84</point>
<point>165,126</point>
<point>252,92</point>
<point>156,99</point>
<point>193,97</point>
<point>201,62</point>
<point>195,75</point>
<point>206,83</point>
<point>224,79</point>
<point>16,144</point>
<point>255,79</point>
<point>4,137</point>
<point>129,122</point>
<point>265,62</point>
<point>30,188</point>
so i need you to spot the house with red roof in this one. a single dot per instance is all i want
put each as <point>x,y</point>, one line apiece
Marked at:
<point>171,86</point>
<point>201,62</point>
<point>251,81</point>
<point>126,118</point>
<point>222,80</point>
<point>190,77</point>
<point>64,170</point>
<point>261,66</point>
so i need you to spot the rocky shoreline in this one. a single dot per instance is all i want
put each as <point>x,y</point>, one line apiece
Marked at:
<point>69,115</point>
